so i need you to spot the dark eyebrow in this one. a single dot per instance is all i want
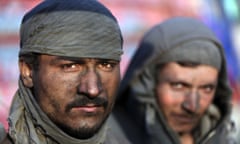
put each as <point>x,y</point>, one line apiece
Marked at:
<point>177,80</point>
<point>212,84</point>
<point>57,59</point>
<point>186,84</point>
<point>107,60</point>
<point>67,58</point>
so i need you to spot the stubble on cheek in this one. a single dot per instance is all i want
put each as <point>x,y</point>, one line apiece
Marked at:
<point>54,95</point>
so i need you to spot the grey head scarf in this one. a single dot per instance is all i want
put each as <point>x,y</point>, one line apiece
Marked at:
<point>176,39</point>
<point>71,28</point>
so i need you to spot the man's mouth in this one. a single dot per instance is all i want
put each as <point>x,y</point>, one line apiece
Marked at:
<point>184,119</point>
<point>87,105</point>
<point>87,108</point>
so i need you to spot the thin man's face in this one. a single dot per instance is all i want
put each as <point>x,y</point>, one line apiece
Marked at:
<point>76,94</point>
<point>185,93</point>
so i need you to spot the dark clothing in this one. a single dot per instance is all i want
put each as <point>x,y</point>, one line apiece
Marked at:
<point>28,124</point>
<point>111,138</point>
<point>4,138</point>
<point>114,136</point>
<point>143,122</point>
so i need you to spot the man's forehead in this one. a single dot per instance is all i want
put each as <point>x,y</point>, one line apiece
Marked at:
<point>59,58</point>
<point>175,71</point>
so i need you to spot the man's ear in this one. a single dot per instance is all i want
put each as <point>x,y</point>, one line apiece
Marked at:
<point>26,73</point>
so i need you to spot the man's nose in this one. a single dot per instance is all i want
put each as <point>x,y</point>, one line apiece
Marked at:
<point>90,84</point>
<point>191,101</point>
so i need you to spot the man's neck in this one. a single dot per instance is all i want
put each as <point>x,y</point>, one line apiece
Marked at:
<point>186,138</point>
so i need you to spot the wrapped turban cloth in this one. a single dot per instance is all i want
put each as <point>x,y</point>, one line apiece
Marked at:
<point>86,30</point>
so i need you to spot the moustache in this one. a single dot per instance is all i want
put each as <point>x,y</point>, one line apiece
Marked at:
<point>82,101</point>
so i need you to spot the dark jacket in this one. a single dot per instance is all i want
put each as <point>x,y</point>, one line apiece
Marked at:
<point>28,124</point>
<point>114,136</point>
<point>4,139</point>
<point>136,109</point>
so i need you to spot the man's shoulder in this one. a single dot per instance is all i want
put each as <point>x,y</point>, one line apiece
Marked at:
<point>4,138</point>
<point>3,133</point>
<point>114,133</point>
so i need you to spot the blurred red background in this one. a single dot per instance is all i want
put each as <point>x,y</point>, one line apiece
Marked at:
<point>135,18</point>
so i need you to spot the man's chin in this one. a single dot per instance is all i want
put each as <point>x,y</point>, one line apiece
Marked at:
<point>183,130</point>
<point>83,129</point>
<point>81,132</point>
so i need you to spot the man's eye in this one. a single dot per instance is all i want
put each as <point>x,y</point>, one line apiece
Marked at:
<point>208,88</point>
<point>177,86</point>
<point>106,66</point>
<point>71,67</point>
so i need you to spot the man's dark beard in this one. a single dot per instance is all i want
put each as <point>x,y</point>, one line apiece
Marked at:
<point>81,133</point>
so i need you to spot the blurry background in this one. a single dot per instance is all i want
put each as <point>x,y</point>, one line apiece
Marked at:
<point>135,18</point>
